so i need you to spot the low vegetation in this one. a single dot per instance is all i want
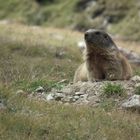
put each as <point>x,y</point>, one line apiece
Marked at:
<point>34,54</point>
<point>137,90</point>
<point>33,119</point>
<point>111,90</point>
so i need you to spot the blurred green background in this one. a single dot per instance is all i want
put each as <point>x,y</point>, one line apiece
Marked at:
<point>120,17</point>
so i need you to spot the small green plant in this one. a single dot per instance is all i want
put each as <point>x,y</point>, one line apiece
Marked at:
<point>113,90</point>
<point>137,71</point>
<point>137,90</point>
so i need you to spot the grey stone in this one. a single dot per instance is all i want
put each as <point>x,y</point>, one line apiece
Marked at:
<point>136,78</point>
<point>76,97</point>
<point>67,99</point>
<point>49,97</point>
<point>39,89</point>
<point>132,102</point>
<point>2,106</point>
<point>84,96</point>
<point>58,96</point>
<point>74,100</point>
<point>137,85</point>
<point>67,90</point>
<point>79,93</point>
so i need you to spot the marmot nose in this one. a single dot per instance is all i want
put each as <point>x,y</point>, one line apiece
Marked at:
<point>87,35</point>
<point>91,33</point>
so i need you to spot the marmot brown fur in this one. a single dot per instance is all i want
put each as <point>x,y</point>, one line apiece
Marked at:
<point>103,60</point>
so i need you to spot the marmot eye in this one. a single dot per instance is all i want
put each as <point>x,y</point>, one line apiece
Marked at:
<point>105,36</point>
<point>97,33</point>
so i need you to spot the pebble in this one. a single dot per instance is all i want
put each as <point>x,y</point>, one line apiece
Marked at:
<point>49,97</point>
<point>132,102</point>
<point>2,106</point>
<point>76,97</point>
<point>79,93</point>
<point>39,89</point>
<point>136,78</point>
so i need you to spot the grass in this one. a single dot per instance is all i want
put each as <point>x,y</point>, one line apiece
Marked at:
<point>112,90</point>
<point>35,54</point>
<point>33,85</point>
<point>30,57</point>
<point>33,119</point>
<point>137,90</point>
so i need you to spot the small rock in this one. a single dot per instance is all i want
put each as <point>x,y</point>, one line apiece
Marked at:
<point>79,93</point>
<point>76,97</point>
<point>40,89</point>
<point>58,96</point>
<point>74,100</point>
<point>68,90</point>
<point>2,106</point>
<point>136,78</point>
<point>84,96</point>
<point>132,103</point>
<point>137,85</point>
<point>50,97</point>
<point>67,99</point>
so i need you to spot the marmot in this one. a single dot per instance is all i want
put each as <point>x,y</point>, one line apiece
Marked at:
<point>103,60</point>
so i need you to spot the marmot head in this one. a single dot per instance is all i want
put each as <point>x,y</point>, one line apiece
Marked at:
<point>98,39</point>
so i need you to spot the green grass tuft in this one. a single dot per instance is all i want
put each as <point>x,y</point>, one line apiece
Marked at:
<point>137,90</point>
<point>111,90</point>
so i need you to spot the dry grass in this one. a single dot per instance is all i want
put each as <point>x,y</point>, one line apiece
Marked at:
<point>31,119</point>
<point>29,57</point>
<point>29,53</point>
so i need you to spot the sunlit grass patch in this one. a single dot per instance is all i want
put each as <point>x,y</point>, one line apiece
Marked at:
<point>137,90</point>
